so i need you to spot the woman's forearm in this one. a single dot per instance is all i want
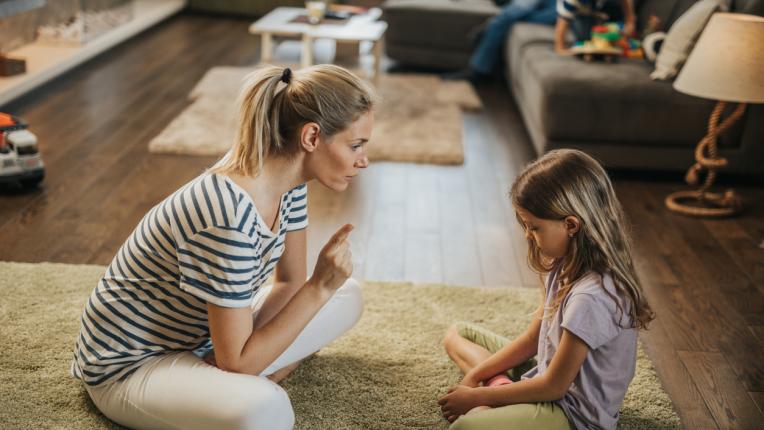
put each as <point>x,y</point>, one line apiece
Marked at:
<point>280,295</point>
<point>268,342</point>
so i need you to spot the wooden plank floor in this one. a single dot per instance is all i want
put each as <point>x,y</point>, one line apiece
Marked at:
<point>704,278</point>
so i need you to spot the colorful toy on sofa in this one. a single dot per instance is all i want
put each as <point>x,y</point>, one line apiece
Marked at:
<point>608,42</point>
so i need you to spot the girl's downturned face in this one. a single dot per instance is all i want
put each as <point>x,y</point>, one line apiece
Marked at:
<point>551,236</point>
<point>336,162</point>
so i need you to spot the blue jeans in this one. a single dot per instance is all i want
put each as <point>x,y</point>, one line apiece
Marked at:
<point>488,51</point>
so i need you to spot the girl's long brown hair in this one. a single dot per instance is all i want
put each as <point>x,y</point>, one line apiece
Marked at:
<point>568,182</point>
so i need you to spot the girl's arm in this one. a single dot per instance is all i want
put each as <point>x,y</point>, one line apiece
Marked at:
<point>549,386</point>
<point>515,353</point>
<point>241,348</point>
<point>291,272</point>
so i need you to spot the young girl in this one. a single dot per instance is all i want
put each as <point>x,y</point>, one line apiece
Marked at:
<point>584,336</point>
<point>190,275</point>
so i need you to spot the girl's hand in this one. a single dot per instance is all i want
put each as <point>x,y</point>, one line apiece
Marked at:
<point>459,400</point>
<point>469,381</point>
<point>334,265</point>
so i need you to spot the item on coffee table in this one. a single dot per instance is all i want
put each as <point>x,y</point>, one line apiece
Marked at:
<point>12,66</point>
<point>316,11</point>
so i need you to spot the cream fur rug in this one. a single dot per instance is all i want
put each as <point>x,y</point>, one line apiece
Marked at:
<point>386,373</point>
<point>419,119</point>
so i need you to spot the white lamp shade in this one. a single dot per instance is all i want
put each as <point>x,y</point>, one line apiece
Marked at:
<point>727,63</point>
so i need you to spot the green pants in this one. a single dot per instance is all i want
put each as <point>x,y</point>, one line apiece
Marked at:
<point>544,416</point>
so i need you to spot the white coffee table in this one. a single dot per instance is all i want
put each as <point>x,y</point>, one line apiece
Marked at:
<point>359,28</point>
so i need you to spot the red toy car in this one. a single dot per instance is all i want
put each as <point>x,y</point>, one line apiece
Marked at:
<point>20,161</point>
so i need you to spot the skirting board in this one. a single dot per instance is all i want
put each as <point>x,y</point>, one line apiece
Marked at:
<point>46,61</point>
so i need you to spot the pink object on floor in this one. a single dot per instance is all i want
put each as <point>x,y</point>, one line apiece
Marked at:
<point>497,380</point>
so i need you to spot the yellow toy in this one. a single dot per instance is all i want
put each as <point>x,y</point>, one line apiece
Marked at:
<point>608,43</point>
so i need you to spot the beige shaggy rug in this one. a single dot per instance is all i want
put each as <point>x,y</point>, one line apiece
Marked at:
<point>419,118</point>
<point>386,373</point>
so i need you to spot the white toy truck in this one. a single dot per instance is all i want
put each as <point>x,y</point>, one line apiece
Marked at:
<point>20,161</point>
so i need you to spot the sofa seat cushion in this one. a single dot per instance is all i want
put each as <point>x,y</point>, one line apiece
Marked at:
<point>524,35</point>
<point>441,25</point>
<point>573,100</point>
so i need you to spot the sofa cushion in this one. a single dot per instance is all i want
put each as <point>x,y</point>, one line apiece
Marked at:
<point>682,36</point>
<point>524,35</point>
<point>441,25</point>
<point>662,9</point>
<point>574,100</point>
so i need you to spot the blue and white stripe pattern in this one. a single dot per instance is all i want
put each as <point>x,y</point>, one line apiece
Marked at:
<point>570,9</point>
<point>205,243</point>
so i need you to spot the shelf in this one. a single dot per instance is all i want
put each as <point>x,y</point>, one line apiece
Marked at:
<point>46,61</point>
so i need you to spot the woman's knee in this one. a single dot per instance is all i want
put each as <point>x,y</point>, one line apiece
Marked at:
<point>260,408</point>
<point>351,298</point>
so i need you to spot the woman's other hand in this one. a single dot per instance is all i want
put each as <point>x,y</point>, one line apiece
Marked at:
<point>334,265</point>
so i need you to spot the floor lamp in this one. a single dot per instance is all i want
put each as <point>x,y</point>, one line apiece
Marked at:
<point>727,65</point>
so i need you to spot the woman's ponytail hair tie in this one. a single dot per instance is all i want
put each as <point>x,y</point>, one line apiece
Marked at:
<point>286,75</point>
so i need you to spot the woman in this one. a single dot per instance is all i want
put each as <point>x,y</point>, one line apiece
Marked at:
<point>189,276</point>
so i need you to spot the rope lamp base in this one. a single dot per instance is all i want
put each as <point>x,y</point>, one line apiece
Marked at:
<point>693,203</point>
<point>701,202</point>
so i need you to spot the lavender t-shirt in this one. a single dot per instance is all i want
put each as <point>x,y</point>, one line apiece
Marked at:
<point>594,399</point>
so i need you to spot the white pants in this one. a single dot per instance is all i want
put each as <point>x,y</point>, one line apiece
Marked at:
<point>181,391</point>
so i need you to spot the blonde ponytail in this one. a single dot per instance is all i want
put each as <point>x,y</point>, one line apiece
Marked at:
<point>276,102</point>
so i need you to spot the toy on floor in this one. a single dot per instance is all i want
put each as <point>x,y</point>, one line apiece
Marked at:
<point>20,161</point>
<point>608,43</point>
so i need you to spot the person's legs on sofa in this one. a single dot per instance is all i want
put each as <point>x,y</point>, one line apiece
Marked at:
<point>546,15</point>
<point>488,51</point>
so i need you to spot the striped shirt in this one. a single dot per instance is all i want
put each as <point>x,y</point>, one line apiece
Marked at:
<point>571,9</point>
<point>205,243</point>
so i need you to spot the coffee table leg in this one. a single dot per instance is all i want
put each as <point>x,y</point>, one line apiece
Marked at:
<point>266,47</point>
<point>378,45</point>
<point>307,51</point>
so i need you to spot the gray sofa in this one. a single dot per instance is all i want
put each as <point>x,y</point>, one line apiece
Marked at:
<point>614,112</point>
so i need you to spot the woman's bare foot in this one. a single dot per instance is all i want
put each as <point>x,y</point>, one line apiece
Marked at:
<point>282,373</point>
